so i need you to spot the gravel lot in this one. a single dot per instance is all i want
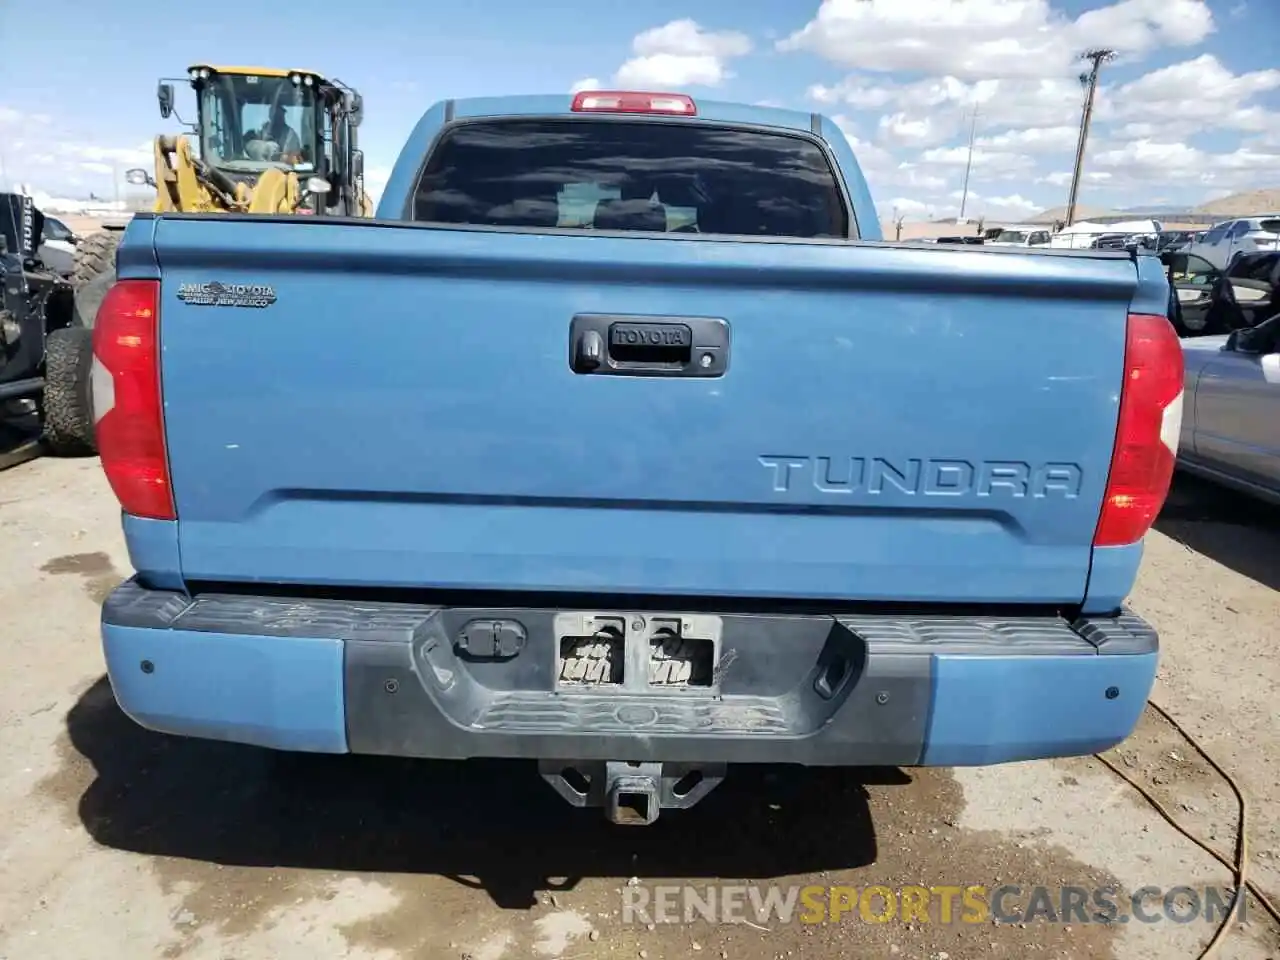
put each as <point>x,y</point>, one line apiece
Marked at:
<point>119,843</point>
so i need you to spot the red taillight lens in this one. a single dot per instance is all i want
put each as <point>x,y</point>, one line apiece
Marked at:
<point>621,101</point>
<point>127,401</point>
<point>1147,433</point>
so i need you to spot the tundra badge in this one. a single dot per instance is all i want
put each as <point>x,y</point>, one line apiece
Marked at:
<point>217,294</point>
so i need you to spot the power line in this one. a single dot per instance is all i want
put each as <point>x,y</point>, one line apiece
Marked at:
<point>1090,82</point>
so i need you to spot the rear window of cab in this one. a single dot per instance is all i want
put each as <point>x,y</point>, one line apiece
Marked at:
<point>629,175</point>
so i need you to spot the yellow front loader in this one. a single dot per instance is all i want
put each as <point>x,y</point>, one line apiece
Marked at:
<point>270,141</point>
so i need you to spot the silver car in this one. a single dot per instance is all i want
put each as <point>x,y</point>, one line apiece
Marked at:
<point>1243,235</point>
<point>1231,409</point>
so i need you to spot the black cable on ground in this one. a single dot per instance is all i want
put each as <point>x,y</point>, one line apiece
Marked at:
<point>1240,866</point>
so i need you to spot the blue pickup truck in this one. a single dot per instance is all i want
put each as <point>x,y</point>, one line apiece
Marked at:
<point>620,441</point>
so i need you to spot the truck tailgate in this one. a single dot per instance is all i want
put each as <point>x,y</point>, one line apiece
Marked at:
<point>894,423</point>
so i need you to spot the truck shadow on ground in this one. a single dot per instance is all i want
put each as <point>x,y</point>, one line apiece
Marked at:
<point>1231,528</point>
<point>492,825</point>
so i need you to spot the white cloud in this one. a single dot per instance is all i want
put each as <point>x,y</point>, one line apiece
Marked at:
<point>949,101</point>
<point>899,128</point>
<point>680,54</point>
<point>883,169</point>
<point>1062,178</point>
<point>41,154</point>
<point>106,157</point>
<point>1014,204</point>
<point>988,161</point>
<point>586,83</point>
<point>910,175</point>
<point>1012,207</point>
<point>1033,139</point>
<point>1139,26</point>
<point>11,117</point>
<point>1140,131</point>
<point>876,162</point>
<point>1150,161</point>
<point>1267,141</point>
<point>1193,94</point>
<point>904,207</point>
<point>1012,60</point>
<point>49,203</point>
<point>980,39</point>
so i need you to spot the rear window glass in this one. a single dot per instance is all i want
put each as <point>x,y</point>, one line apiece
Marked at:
<point>631,175</point>
<point>1269,226</point>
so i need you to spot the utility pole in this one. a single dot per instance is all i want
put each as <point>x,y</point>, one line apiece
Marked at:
<point>968,166</point>
<point>1090,82</point>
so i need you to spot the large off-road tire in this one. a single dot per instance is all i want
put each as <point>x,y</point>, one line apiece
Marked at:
<point>94,272</point>
<point>89,298</point>
<point>67,403</point>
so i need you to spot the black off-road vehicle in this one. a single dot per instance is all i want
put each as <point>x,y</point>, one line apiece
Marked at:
<point>46,348</point>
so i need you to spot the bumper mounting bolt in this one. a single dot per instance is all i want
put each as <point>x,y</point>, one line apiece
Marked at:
<point>882,697</point>
<point>148,666</point>
<point>391,686</point>
<point>1113,692</point>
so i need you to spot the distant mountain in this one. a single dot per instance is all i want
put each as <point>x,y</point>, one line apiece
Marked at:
<point>1244,204</point>
<point>1060,213</point>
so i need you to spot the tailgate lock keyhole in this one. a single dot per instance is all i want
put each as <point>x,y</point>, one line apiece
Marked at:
<point>590,353</point>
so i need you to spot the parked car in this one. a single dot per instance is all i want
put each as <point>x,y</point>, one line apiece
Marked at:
<point>633,502</point>
<point>1212,302</point>
<point>58,247</point>
<point>1191,283</point>
<point>1231,420</point>
<point>1177,240</point>
<point>1020,238</point>
<point>1231,237</point>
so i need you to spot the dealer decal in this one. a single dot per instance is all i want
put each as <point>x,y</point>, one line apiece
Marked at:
<point>216,294</point>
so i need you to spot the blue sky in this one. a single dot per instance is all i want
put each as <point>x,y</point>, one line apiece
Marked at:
<point>1187,112</point>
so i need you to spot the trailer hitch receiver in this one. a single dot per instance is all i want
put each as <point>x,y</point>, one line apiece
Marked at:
<point>631,794</point>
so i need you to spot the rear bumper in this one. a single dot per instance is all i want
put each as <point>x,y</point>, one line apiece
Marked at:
<point>379,678</point>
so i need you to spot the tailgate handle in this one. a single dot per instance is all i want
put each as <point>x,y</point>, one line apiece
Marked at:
<point>609,344</point>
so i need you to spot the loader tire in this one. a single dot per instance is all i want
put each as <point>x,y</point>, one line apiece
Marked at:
<point>67,403</point>
<point>94,272</point>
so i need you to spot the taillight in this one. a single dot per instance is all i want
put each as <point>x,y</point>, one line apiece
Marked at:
<point>1147,433</point>
<point>127,404</point>
<point>619,101</point>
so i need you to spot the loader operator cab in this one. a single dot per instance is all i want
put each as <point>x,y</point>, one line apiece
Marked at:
<point>276,142</point>
<point>253,119</point>
<point>249,123</point>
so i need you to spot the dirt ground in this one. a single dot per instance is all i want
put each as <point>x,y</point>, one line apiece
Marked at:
<point>119,843</point>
